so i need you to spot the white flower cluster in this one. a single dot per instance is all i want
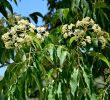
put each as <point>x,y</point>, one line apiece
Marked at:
<point>42,33</point>
<point>86,40</point>
<point>80,32</point>
<point>85,22</point>
<point>96,28</point>
<point>101,35</point>
<point>17,35</point>
<point>67,30</point>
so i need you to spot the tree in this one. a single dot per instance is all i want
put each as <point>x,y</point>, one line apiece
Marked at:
<point>68,59</point>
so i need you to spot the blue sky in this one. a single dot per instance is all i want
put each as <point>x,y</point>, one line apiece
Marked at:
<point>24,8</point>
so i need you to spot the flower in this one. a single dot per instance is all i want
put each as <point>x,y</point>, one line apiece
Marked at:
<point>103,41</point>
<point>83,43</point>
<point>85,22</point>
<point>96,28</point>
<point>92,22</point>
<point>13,30</point>
<point>70,33</point>
<point>78,23</point>
<point>70,26</point>
<point>17,35</point>
<point>82,29</point>
<point>41,29</point>
<point>27,39</point>
<point>42,33</point>
<point>24,22</point>
<point>46,34</point>
<point>32,26</point>
<point>65,35</point>
<point>31,30</point>
<point>17,18</point>
<point>5,37</point>
<point>67,30</point>
<point>78,32</point>
<point>22,35</point>
<point>64,28</point>
<point>88,39</point>
<point>20,40</point>
<point>39,36</point>
<point>21,27</point>
<point>9,44</point>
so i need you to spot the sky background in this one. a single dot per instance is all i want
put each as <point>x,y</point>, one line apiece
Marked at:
<point>24,8</point>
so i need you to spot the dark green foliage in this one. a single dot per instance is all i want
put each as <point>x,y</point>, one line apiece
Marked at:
<point>96,9</point>
<point>5,6</point>
<point>35,15</point>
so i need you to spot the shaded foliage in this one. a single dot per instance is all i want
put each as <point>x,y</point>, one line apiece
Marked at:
<point>78,9</point>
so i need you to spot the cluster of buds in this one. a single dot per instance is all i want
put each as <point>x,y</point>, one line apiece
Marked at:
<point>86,41</point>
<point>67,30</point>
<point>101,35</point>
<point>85,22</point>
<point>80,32</point>
<point>17,35</point>
<point>41,33</point>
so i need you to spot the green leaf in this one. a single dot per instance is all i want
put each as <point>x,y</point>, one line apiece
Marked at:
<point>87,80</point>
<point>71,40</point>
<point>101,57</point>
<point>93,97</point>
<point>37,42</point>
<point>51,50</point>
<point>65,13</point>
<point>50,95</point>
<point>59,50</point>
<point>63,57</point>
<point>74,81</point>
<point>3,10</point>
<point>34,18</point>
<point>95,42</point>
<point>58,15</point>
<point>59,91</point>
<point>24,58</point>
<point>38,14</point>
<point>100,4</point>
<point>108,38</point>
<point>8,5</point>
<point>15,1</point>
<point>35,15</point>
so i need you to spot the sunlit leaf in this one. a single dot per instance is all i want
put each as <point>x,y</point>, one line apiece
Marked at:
<point>63,57</point>
<point>71,40</point>
<point>59,51</point>
<point>74,81</point>
<point>87,80</point>
<point>65,13</point>
<point>51,50</point>
<point>50,95</point>
<point>101,57</point>
<point>59,91</point>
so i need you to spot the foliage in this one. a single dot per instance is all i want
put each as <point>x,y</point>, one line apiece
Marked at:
<point>69,60</point>
<point>5,6</point>
<point>78,9</point>
<point>61,66</point>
